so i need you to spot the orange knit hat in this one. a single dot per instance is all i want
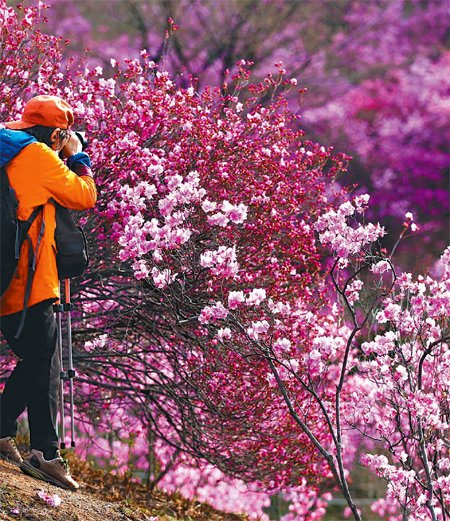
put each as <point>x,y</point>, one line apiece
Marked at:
<point>48,111</point>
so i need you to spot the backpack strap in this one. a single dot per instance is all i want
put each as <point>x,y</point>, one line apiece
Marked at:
<point>24,226</point>
<point>32,255</point>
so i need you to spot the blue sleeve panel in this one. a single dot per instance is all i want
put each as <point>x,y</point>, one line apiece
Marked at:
<point>11,143</point>
<point>79,159</point>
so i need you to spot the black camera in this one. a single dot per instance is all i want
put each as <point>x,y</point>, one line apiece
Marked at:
<point>82,138</point>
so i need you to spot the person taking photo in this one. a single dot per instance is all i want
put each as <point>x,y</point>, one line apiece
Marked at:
<point>31,149</point>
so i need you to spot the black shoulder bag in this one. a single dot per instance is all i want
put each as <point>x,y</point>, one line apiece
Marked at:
<point>71,246</point>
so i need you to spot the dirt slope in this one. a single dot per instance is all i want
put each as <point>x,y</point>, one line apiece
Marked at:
<point>19,500</point>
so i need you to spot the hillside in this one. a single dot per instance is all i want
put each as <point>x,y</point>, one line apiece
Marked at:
<point>101,497</point>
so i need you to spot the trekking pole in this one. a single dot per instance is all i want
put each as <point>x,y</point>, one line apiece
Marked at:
<point>58,308</point>
<point>70,370</point>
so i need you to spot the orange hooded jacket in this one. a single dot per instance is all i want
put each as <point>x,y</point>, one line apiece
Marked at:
<point>37,176</point>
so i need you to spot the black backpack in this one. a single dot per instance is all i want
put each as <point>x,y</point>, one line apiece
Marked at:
<point>71,248</point>
<point>71,256</point>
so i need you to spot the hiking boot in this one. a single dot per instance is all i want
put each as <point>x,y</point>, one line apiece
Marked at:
<point>55,471</point>
<point>9,451</point>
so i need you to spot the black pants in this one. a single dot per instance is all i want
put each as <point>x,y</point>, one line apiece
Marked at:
<point>34,382</point>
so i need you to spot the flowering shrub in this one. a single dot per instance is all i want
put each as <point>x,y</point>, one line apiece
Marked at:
<point>213,208</point>
<point>396,393</point>
<point>201,197</point>
<point>401,394</point>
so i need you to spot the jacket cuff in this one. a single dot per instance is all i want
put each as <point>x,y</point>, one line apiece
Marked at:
<point>80,158</point>
<point>80,164</point>
<point>80,170</point>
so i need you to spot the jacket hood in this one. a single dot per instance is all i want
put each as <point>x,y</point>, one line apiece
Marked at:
<point>11,143</point>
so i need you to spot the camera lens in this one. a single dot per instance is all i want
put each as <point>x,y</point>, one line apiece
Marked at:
<point>82,137</point>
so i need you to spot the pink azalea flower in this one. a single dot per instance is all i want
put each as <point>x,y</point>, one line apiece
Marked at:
<point>51,499</point>
<point>256,296</point>
<point>235,298</point>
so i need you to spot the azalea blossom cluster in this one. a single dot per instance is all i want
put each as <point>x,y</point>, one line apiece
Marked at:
<point>20,32</point>
<point>343,239</point>
<point>222,261</point>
